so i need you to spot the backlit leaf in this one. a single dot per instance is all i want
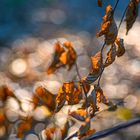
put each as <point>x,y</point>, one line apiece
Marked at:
<point>96,69</point>
<point>46,97</point>
<point>120,45</point>
<point>108,27</point>
<point>79,114</point>
<point>111,55</point>
<point>131,14</point>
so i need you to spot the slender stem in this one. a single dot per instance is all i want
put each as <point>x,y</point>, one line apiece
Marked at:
<point>101,62</point>
<point>115,6</point>
<point>78,73</point>
<point>109,131</point>
<point>122,18</point>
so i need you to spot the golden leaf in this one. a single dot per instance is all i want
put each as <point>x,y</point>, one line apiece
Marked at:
<point>46,97</point>
<point>79,114</point>
<point>24,126</point>
<point>108,27</point>
<point>5,92</point>
<point>60,99</point>
<point>96,62</point>
<point>111,55</point>
<point>131,14</point>
<point>71,54</point>
<point>100,95</point>
<point>84,130</point>
<point>73,93</point>
<point>64,55</point>
<point>96,69</point>
<point>120,45</point>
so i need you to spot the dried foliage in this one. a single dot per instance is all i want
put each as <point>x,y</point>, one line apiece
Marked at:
<point>131,14</point>
<point>108,27</point>
<point>71,92</point>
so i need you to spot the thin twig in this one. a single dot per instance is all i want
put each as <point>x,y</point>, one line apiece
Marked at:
<point>112,130</point>
<point>78,73</point>
<point>109,131</point>
<point>115,6</point>
<point>122,17</point>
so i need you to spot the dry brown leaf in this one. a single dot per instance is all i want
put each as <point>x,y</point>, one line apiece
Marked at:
<point>79,114</point>
<point>73,92</point>
<point>5,92</point>
<point>99,3</point>
<point>108,27</point>
<point>96,69</point>
<point>56,62</point>
<point>23,127</point>
<point>60,99</point>
<point>120,45</point>
<point>111,55</point>
<point>64,55</point>
<point>71,54</point>
<point>100,96</point>
<point>96,62</point>
<point>84,130</point>
<point>131,14</point>
<point>46,97</point>
<point>86,86</point>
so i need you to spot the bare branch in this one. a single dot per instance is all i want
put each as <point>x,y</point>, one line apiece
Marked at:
<point>109,131</point>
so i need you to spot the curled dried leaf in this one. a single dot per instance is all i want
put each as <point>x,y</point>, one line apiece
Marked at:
<point>65,55</point>
<point>111,55</point>
<point>46,97</point>
<point>71,55</point>
<point>79,114</point>
<point>84,130</point>
<point>108,27</point>
<point>131,14</point>
<point>5,92</point>
<point>60,99</point>
<point>23,127</point>
<point>86,86</point>
<point>96,62</point>
<point>56,62</point>
<point>120,45</point>
<point>100,96</point>
<point>96,69</point>
<point>73,92</point>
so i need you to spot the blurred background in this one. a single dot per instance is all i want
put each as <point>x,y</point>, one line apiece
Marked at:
<point>28,31</point>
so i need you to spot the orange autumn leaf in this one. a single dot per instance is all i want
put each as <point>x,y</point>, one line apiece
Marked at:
<point>5,92</point>
<point>79,114</point>
<point>111,55</point>
<point>108,27</point>
<point>73,92</point>
<point>65,55</point>
<point>96,70</point>
<point>46,97</point>
<point>56,62</point>
<point>23,127</point>
<point>68,92</point>
<point>120,45</point>
<point>86,86</point>
<point>71,55</point>
<point>52,130</point>
<point>100,95</point>
<point>99,3</point>
<point>84,130</point>
<point>60,99</point>
<point>96,62</point>
<point>131,14</point>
